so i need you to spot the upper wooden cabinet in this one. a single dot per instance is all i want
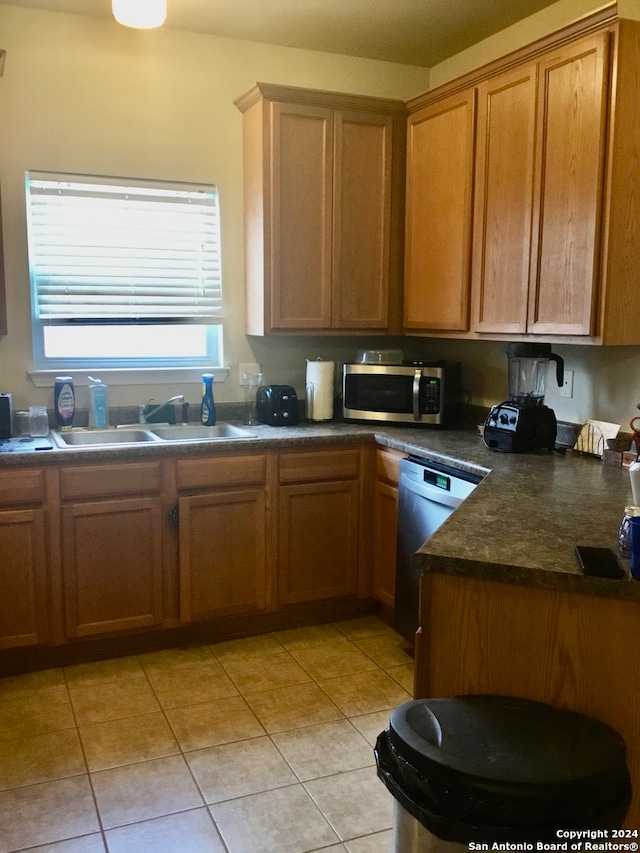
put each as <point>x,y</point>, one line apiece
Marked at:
<point>540,159</point>
<point>555,164</point>
<point>503,200</point>
<point>323,195</point>
<point>440,144</point>
<point>570,149</point>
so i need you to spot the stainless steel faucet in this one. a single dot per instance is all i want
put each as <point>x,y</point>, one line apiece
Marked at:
<point>144,412</point>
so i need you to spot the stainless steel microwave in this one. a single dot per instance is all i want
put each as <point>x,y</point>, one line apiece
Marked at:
<point>423,393</point>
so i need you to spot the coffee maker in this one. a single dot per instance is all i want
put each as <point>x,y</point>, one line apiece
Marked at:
<point>523,422</point>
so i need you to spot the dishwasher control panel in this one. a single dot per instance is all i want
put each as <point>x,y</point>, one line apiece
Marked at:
<point>435,478</point>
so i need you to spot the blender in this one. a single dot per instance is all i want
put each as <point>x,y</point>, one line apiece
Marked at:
<point>523,422</point>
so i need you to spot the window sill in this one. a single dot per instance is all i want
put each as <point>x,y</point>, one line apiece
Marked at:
<point>128,376</point>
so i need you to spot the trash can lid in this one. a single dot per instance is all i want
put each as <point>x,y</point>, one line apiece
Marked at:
<point>509,741</point>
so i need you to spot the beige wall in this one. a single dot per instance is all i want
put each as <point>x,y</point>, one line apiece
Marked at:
<point>86,95</point>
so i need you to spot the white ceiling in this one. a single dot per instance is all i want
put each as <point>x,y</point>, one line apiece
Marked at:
<point>415,32</point>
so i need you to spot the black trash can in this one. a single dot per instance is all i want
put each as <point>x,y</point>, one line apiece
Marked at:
<point>497,768</point>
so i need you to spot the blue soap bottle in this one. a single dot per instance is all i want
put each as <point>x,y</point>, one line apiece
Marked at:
<point>208,403</point>
<point>98,408</point>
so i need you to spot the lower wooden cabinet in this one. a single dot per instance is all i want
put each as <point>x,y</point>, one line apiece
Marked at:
<point>111,548</point>
<point>23,615</point>
<point>94,551</point>
<point>24,559</point>
<point>318,541</point>
<point>318,525</point>
<point>223,567</point>
<point>385,525</point>
<point>223,536</point>
<point>570,650</point>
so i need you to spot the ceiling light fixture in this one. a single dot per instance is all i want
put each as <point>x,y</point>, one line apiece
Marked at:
<point>141,14</point>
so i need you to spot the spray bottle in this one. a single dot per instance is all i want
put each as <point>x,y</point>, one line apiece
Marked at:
<point>208,403</point>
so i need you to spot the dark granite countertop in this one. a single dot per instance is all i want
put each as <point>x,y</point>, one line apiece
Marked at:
<point>520,525</point>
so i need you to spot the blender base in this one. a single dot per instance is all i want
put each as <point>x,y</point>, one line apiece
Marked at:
<point>511,428</point>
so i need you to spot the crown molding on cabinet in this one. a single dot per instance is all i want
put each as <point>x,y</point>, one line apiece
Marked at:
<point>603,17</point>
<point>334,100</point>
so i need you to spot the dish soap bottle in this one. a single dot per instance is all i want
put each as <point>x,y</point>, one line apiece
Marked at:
<point>64,401</point>
<point>208,403</point>
<point>98,409</point>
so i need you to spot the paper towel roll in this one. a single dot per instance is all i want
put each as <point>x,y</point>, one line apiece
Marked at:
<point>319,390</point>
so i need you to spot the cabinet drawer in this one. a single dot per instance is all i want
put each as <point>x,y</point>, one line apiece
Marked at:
<point>96,481</point>
<point>388,465</point>
<point>21,487</point>
<point>221,471</point>
<point>319,465</point>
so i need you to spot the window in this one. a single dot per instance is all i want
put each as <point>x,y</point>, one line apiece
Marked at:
<point>124,273</point>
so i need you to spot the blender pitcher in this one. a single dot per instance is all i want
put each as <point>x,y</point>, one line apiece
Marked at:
<point>528,365</point>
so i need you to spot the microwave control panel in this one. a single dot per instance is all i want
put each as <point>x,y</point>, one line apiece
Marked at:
<point>431,399</point>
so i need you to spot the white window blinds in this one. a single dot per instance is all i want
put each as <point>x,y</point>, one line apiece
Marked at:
<point>121,251</point>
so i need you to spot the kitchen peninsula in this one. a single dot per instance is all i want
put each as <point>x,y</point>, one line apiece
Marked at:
<point>506,610</point>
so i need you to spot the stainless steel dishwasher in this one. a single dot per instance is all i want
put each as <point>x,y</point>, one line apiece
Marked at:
<point>427,495</point>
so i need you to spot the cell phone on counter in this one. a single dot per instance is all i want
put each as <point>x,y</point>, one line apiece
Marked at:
<point>599,562</point>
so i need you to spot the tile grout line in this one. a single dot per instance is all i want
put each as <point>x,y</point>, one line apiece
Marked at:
<point>313,679</point>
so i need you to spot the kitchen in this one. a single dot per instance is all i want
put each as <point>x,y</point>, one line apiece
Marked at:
<point>80,93</point>
<point>120,102</point>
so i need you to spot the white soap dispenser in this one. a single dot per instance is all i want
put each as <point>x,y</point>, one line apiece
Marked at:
<point>98,408</point>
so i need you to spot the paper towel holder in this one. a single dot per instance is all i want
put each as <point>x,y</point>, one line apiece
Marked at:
<point>310,396</point>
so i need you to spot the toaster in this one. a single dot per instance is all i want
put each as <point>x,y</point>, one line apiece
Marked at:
<point>277,405</point>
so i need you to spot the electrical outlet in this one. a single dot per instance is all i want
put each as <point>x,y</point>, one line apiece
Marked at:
<point>247,368</point>
<point>567,387</point>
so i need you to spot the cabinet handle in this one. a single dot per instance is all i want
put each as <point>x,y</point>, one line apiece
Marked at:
<point>173,516</point>
<point>416,394</point>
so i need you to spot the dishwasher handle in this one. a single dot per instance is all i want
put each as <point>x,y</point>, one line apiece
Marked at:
<point>430,493</point>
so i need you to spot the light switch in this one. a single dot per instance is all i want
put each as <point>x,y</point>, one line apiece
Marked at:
<point>567,387</point>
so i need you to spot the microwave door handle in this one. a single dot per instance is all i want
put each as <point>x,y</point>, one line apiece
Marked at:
<point>416,394</point>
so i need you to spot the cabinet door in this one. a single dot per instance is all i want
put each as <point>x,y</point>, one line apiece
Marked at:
<point>439,212</point>
<point>301,216</point>
<point>572,98</point>
<point>318,548</point>
<point>23,613</point>
<point>223,564</point>
<point>362,220</point>
<point>112,565</point>
<point>384,556</point>
<point>503,201</point>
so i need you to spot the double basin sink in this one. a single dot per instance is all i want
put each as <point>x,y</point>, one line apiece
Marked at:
<point>148,434</point>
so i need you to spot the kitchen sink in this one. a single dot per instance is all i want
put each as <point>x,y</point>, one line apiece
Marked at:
<point>101,437</point>
<point>199,432</point>
<point>148,434</point>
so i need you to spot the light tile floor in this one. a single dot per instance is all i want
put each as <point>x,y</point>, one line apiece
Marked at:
<point>261,745</point>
